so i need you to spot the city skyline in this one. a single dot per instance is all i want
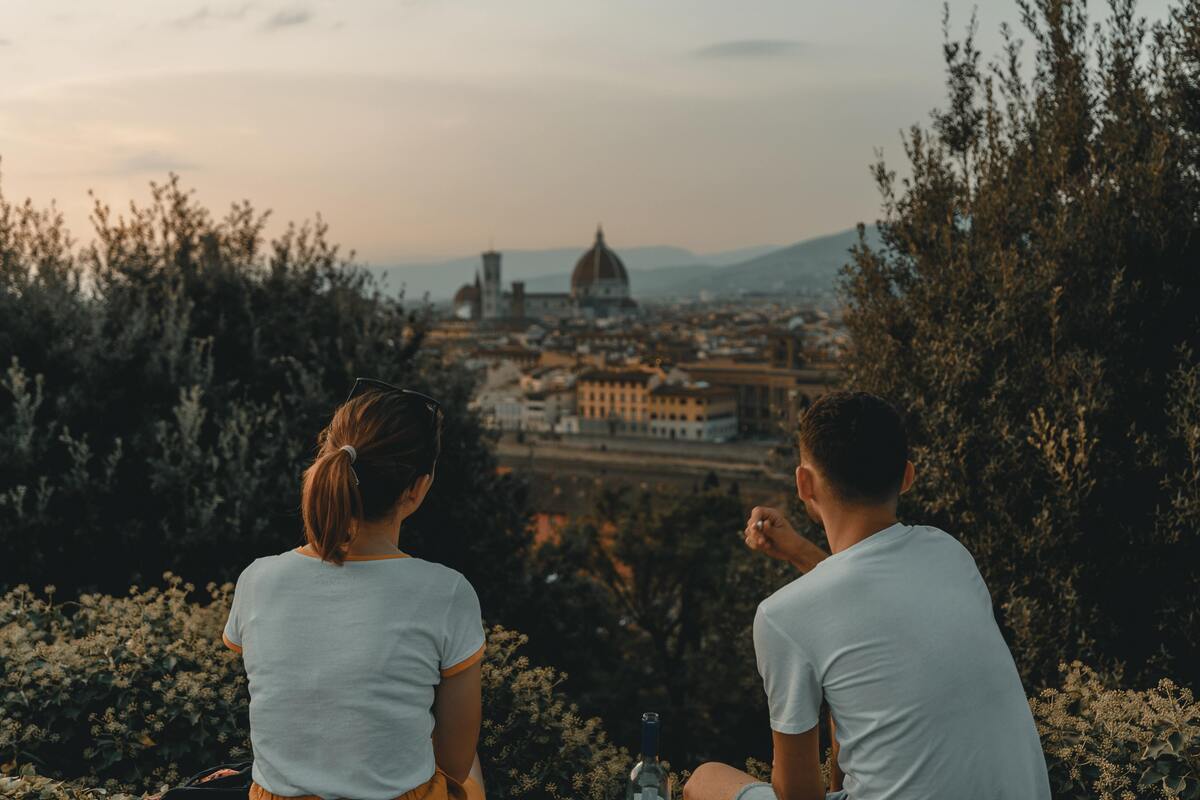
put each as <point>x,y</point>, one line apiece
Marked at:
<point>429,130</point>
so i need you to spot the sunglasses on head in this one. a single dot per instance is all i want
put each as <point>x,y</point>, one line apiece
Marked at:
<point>367,385</point>
<point>364,385</point>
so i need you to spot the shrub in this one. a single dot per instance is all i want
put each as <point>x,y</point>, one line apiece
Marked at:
<point>129,693</point>
<point>653,596</point>
<point>161,390</point>
<point>1035,309</point>
<point>1118,744</point>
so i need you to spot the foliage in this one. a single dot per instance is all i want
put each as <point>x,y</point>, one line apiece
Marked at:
<point>133,692</point>
<point>162,387</point>
<point>534,741</point>
<point>128,693</point>
<point>1035,309</point>
<point>28,785</point>
<point>654,597</point>
<point>1116,744</point>
<point>137,689</point>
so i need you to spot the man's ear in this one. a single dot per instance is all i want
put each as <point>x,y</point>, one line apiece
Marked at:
<point>910,474</point>
<point>804,483</point>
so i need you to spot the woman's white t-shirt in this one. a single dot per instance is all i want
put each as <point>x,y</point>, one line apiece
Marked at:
<point>342,663</point>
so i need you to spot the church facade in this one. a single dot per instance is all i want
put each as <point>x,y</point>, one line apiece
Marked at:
<point>599,288</point>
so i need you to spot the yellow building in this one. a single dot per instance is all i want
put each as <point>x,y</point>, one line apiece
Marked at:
<point>770,398</point>
<point>615,401</point>
<point>699,413</point>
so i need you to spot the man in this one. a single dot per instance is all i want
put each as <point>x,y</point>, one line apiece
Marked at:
<point>894,630</point>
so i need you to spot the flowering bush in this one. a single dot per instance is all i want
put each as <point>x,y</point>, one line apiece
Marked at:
<point>1118,744</point>
<point>130,693</point>
<point>126,694</point>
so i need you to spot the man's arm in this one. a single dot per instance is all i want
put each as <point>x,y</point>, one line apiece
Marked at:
<point>778,539</point>
<point>836,776</point>
<point>796,771</point>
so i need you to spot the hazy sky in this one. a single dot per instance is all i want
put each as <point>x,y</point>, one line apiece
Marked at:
<point>425,128</point>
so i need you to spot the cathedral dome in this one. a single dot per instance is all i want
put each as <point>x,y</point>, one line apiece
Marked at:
<point>468,293</point>
<point>598,264</point>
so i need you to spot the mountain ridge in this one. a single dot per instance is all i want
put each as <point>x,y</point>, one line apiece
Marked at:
<point>655,271</point>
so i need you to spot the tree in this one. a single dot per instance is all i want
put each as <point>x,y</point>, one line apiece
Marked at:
<point>163,388</point>
<point>653,599</point>
<point>1034,308</point>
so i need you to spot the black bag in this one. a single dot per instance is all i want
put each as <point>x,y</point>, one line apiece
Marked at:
<point>227,787</point>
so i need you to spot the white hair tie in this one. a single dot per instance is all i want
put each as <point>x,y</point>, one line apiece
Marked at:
<point>353,453</point>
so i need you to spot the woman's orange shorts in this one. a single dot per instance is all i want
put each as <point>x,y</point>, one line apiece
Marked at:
<point>440,787</point>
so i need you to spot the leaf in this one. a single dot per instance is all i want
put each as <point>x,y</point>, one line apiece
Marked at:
<point>1151,776</point>
<point>146,740</point>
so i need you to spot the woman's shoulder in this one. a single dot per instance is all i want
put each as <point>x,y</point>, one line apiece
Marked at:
<point>260,565</point>
<point>437,572</point>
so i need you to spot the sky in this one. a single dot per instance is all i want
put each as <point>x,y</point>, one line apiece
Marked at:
<point>423,129</point>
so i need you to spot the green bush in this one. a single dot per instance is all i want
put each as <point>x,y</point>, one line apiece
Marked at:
<point>1118,744</point>
<point>129,693</point>
<point>653,596</point>
<point>161,390</point>
<point>1034,308</point>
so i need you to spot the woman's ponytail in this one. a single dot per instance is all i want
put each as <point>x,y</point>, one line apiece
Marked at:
<point>330,501</point>
<point>381,438</point>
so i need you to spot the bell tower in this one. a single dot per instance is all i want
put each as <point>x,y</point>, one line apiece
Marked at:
<point>491,295</point>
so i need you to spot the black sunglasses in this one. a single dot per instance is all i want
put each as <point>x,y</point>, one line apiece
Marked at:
<point>367,385</point>
<point>364,385</point>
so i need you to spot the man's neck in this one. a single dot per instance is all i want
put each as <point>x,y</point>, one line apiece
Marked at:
<point>850,526</point>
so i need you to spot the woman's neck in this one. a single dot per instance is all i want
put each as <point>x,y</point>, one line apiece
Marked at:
<point>381,537</point>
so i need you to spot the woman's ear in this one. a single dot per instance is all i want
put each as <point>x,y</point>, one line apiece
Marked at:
<point>415,495</point>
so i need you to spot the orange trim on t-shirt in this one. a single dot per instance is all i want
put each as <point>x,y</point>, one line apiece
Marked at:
<point>440,787</point>
<point>234,646</point>
<point>300,550</point>
<point>466,662</point>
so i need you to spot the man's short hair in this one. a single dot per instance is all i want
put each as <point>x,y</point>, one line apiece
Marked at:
<point>858,443</point>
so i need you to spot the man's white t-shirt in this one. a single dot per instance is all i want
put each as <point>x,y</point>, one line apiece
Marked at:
<point>342,662</point>
<point>898,635</point>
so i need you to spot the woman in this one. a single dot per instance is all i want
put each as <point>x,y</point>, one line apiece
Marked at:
<point>363,663</point>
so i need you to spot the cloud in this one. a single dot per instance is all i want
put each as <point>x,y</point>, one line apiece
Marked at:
<point>288,18</point>
<point>149,161</point>
<point>751,49</point>
<point>205,15</point>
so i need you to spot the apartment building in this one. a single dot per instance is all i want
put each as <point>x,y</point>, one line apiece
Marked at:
<point>615,401</point>
<point>697,412</point>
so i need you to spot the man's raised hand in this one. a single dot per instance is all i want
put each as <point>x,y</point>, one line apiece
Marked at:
<point>769,532</point>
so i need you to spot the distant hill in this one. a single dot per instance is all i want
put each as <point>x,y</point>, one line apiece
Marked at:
<point>654,271</point>
<point>810,264</point>
<point>441,279</point>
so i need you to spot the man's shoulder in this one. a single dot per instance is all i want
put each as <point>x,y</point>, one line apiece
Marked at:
<point>810,587</point>
<point>934,536</point>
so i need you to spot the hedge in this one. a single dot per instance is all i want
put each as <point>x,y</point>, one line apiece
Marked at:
<point>114,696</point>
